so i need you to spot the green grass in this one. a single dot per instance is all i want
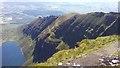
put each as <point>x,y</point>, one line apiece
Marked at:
<point>10,26</point>
<point>10,32</point>
<point>52,39</point>
<point>62,46</point>
<point>86,46</point>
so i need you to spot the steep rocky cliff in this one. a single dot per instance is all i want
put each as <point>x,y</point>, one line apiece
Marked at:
<point>49,34</point>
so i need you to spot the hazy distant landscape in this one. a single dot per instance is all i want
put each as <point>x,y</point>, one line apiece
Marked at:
<point>60,33</point>
<point>22,12</point>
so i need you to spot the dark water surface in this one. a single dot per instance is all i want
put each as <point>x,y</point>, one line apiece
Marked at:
<point>12,54</point>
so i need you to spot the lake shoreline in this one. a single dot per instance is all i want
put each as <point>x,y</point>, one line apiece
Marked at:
<point>12,54</point>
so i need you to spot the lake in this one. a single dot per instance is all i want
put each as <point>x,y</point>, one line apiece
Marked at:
<point>12,54</point>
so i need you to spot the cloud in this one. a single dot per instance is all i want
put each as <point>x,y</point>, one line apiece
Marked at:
<point>54,7</point>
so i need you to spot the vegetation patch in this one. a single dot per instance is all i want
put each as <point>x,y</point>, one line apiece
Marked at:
<point>62,46</point>
<point>84,47</point>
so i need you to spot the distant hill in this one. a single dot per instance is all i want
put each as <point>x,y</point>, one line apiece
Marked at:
<point>43,13</point>
<point>53,33</point>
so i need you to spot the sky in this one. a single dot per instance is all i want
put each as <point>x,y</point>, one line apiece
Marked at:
<point>59,0</point>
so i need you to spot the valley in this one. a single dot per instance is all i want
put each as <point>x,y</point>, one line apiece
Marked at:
<point>10,32</point>
<point>46,37</point>
<point>59,34</point>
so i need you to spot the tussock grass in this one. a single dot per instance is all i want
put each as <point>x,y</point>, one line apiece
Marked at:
<point>84,47</point>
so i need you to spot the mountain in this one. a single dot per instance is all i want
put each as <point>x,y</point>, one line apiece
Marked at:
<point>37,26</point>
<point>54,33</point>
<point>87,53</point>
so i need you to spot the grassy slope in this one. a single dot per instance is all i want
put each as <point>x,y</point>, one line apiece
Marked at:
<point>10,32</point>
<point>85,47</point>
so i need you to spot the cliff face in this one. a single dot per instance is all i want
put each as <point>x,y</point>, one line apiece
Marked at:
<point>49,32</point>
<point>36,27</point>
<point>29,33</point>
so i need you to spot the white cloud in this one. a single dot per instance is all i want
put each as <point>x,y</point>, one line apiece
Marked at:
<point>54,7</point>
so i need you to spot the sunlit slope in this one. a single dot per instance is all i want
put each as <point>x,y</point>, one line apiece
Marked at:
<point>86,46</point>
